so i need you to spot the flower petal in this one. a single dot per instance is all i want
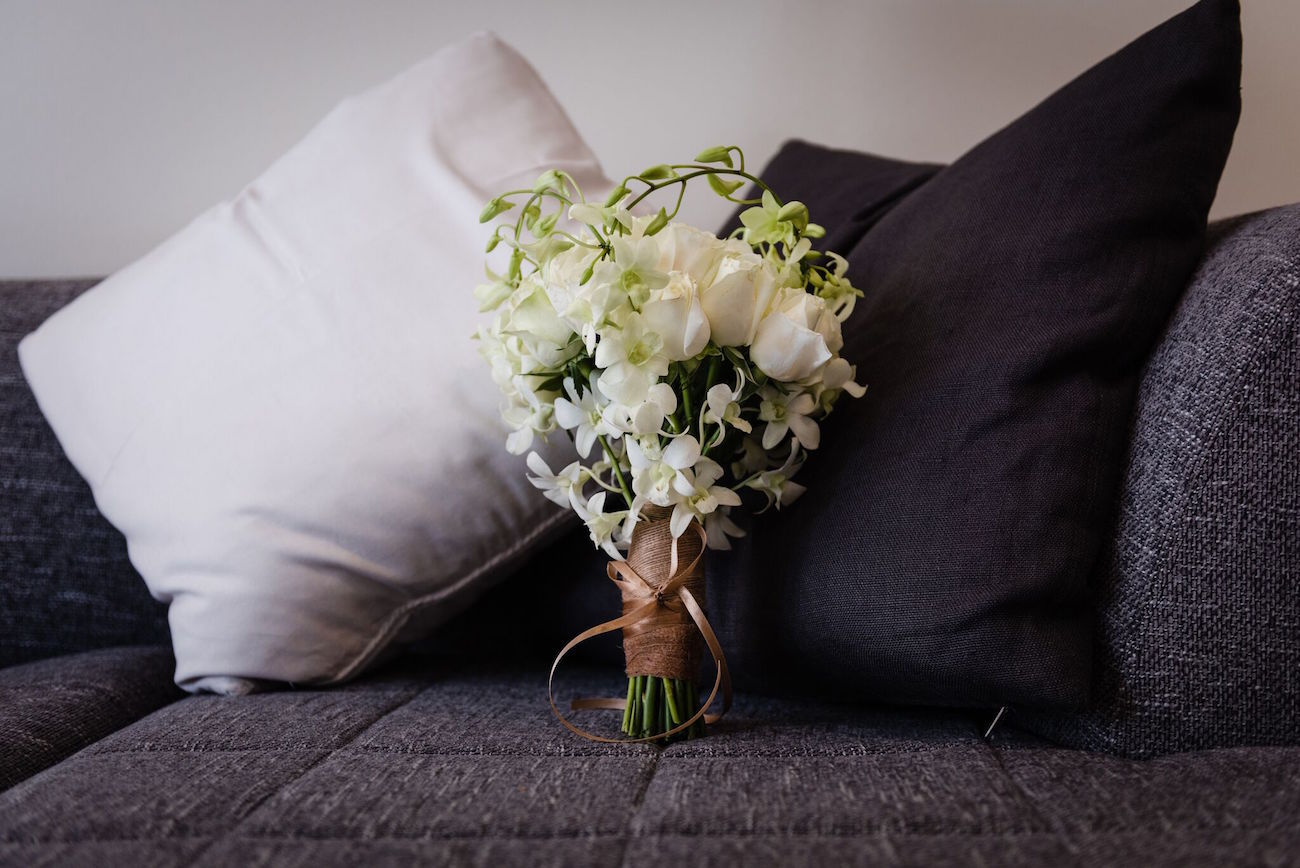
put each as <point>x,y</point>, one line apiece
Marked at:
<point>682,453</point>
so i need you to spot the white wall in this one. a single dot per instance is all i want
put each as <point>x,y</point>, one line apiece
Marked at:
<point>121,120</point>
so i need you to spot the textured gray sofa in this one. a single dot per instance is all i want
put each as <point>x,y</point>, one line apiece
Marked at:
<point>1189,754</point>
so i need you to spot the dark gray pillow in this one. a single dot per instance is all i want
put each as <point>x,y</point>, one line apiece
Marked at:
<point>65,581</point>
<point>1198,636</point>
<point>957,514</point>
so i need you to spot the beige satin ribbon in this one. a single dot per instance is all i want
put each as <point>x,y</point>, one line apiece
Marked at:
<point>672,593</point>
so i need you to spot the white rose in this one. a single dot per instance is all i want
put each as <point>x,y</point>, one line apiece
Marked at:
<point>534,321</point>
<point>691,251</point>
<point>676,315</point>
<point>561,276</point>
<point>738,298</point>
<point>796,338</point>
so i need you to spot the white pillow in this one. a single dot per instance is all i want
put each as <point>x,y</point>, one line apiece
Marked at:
<point>282,408</point>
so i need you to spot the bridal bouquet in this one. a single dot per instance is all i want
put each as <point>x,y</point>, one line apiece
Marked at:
<point>687,369</point>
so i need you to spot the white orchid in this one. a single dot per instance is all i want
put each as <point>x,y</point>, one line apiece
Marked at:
<point>837,377</point>
<point>718,526</point>
<point>634,270</point>
<point>699,494</point>
<point>786,412</point>
<point>651,341</point>
<point>631,360</point>
<point>529,413</point>
<point>776,485</point>
<point>584,416</point>
<point>646,417</point>
<point>722,408</point>
<point>563,488</point>
<point>608,530</point>
<point>656,472</point>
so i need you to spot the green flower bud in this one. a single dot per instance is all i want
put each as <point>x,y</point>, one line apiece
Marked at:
<point>659,222</point>
<point>546,225</point>
<point>493,208</point>
<point>531,213</point>
<point>615,196</point>
<point>545,181</point>
<point>493,242</point>
<point>814,230</point>
<point>586,275</point>
<point>657,173</point>
<point>720,154</point>
<point>722,186</point>
<point>795,212</point>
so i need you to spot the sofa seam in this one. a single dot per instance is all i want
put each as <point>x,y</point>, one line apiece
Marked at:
<point>326,755</point>
<point>631,827</point>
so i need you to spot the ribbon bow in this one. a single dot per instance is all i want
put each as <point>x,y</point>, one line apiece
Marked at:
<point>670,595</point>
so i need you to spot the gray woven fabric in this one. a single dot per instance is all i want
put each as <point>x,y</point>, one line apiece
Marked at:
<point>52,708</point>
<point>432,764</point>
<point>1198,641</point>
<point>65,582</point>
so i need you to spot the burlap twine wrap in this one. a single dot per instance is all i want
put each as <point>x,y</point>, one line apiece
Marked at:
<point>666,644</point>
<point>663,620</point>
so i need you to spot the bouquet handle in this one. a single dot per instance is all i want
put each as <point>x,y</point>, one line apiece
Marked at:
<point>673,593</point>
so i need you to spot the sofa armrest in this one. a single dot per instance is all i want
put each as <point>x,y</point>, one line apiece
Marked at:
<point>1198,634</point>
<point>66,584</point>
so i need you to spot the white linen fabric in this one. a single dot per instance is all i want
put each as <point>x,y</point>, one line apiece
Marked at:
<point>282,407</point>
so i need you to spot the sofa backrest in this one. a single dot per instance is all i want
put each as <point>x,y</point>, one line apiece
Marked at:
<point>1198,631</point>
<point>1198,624</point>
<point>65,581</point>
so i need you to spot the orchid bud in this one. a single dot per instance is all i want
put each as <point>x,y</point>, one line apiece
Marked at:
<point>723,187</point>
<point>659,222</point>
<point>656,173</point>
<point>615,196</point>
<point>720,154</point>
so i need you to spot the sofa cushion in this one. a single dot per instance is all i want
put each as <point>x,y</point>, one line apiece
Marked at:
<point>439,765</point>
<point>53,708</point>
<point>67,583</point>
<point>1199,611</point>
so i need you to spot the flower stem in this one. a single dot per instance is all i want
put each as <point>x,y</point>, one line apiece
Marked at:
<point>670,691</point>
<point>651,187</point>
<point>627,707</point>
<point>618,471</point>
<point>651,704</point>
